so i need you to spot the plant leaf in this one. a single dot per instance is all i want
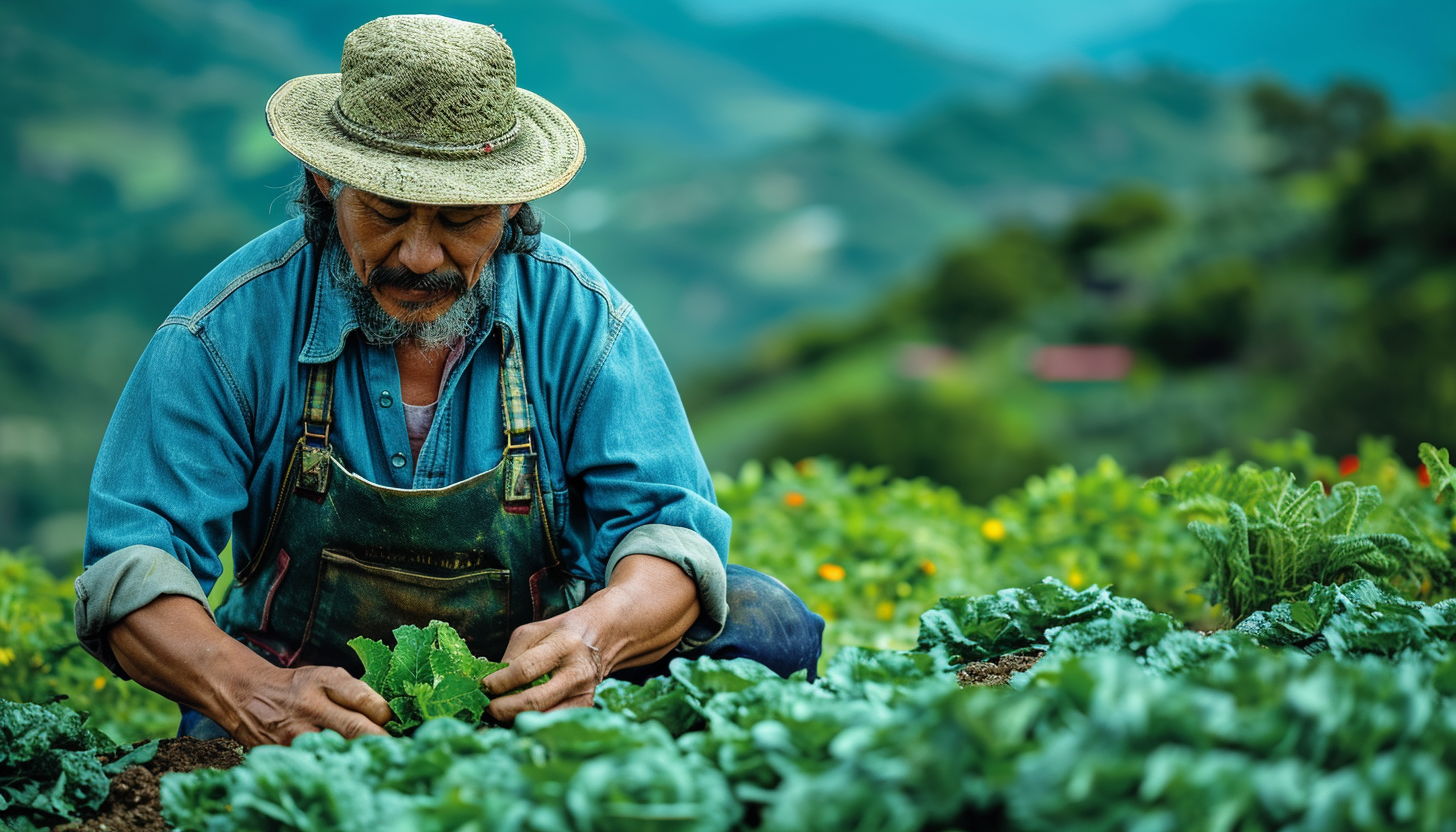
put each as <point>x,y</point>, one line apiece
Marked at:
<point>376,658</point>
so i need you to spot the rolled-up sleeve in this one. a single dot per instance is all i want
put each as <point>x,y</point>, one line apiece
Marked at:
<point>643,480</point>
<point>169,476</point>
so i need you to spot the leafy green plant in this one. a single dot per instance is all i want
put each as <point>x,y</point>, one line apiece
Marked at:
<point>49,769</point>
<point>973,629</point>
<point>1281,538</point>
<point>430,674</point>
<point>40,658</point>
<point>870,552</point>
<point>1244,738</point>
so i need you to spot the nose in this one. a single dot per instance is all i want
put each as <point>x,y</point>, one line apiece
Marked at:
<point>420,252</point>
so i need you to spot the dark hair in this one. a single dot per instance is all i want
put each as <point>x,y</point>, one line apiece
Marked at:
<point>522,234</point>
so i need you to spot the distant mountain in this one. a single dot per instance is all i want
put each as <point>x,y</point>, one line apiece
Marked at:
<point>1406,46</point>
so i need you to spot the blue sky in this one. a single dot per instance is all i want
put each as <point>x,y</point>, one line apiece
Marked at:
<point>1023,33</point>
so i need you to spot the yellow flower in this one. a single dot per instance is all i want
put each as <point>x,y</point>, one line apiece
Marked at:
<point>6,656</point>
<point>831,572</point>
<point>1076,580</point>
<point>993,530</point>
<point>928,567</point>
<point>903,589</point>
<point>99,682</point>
<point>885,610</point>
<point>793,499</point>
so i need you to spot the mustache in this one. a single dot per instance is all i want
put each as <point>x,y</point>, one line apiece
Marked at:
<point>402,278</point>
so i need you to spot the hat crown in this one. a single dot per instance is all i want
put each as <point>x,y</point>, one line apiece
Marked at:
<point>427,82</point>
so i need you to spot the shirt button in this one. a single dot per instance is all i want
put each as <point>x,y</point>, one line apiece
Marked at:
<point>398,460</point>
<point>385,400</point>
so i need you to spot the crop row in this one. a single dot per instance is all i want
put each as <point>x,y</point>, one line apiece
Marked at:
<point>1130,722</point>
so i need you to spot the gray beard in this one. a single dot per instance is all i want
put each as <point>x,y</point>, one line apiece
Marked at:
<point>382,329</point>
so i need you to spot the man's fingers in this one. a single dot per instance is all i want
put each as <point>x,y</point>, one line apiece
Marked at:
<point>529,666</point>
<point>355,725</point>
<point>581,700</point>
<point>350,693</point>
<point>525,637</point>
<point>540,698</point>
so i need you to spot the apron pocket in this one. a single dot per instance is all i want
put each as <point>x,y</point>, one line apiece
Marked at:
<point>356,598</point>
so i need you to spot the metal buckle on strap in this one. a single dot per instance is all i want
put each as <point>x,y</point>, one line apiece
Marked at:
<point>315,440</point>
<point>512,446</point>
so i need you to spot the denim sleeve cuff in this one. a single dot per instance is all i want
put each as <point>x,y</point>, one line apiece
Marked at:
<point>698,558</point>
<point>122,583</point>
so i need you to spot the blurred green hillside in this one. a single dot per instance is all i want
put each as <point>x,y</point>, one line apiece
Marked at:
<point>737,177</point>
<point>1316,296</point>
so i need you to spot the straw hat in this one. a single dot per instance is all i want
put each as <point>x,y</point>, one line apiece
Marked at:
<point>426,109</point>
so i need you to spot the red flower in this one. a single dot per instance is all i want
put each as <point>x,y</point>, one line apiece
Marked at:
<point>1349,464</point>
<point>1423,476</point>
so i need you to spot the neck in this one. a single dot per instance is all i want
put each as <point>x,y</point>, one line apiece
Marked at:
<point>420,371</point>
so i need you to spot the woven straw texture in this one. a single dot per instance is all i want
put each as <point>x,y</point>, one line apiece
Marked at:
<point>426,109</point>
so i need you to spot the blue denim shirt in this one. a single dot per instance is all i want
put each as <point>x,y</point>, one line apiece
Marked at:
<point>197,446</point>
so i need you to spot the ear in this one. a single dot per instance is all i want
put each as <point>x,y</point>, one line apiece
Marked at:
<point>511,213</point>
<point>323,182</point>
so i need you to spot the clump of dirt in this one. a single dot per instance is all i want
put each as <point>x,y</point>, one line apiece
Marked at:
<point>997,671</point>
<point>135,801</point>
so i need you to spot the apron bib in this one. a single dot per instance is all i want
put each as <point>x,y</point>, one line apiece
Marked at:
<point>345,557</point>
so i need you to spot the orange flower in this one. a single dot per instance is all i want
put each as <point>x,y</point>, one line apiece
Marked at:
<point>928,567</point>
<point>831,572</point>
<point>99,682</point>
<point>1349,464</point>
<point>793,499</point>
<point>1423,476</point>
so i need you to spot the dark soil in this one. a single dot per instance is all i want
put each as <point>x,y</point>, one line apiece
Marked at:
<point>998,670</point>
<point>135,801</point>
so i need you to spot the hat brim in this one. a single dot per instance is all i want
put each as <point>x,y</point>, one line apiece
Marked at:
<point>543,157</point>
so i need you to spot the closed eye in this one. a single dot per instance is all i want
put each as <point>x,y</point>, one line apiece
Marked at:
<point>391,219</point>
<point>458,224</point>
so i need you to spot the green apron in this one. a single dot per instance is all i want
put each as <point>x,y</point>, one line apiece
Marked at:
<point>344,557</point>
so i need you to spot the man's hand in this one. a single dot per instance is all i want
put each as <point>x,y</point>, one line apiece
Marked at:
<point>557,646</point>
<point>279,705</point>
<point>637,619</point>
<point>173,647</point>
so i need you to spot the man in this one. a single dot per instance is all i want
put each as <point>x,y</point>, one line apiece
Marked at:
<point>409,405</point>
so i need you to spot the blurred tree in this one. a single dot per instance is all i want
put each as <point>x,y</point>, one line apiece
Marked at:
<point>1309,133</point>
<point>1205,318</point>
<point>991,283</point>
<point>945,433</point>
<point>1121,216</point>
<point>1391,370</point>
<point>1401,203</point>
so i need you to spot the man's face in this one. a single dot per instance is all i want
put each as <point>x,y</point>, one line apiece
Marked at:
<point>416,260</point>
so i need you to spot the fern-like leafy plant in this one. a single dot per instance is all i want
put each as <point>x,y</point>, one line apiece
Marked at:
<point>1281,538</point>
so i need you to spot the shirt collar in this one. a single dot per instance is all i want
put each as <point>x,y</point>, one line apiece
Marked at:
<point>333,318</point>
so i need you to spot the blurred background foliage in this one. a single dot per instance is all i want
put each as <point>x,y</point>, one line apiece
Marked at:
<point>853,227</point>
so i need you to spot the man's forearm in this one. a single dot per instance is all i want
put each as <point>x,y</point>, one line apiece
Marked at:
<point>642,613</point>
<point>172,646</point>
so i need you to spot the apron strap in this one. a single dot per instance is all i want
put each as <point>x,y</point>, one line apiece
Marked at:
<point>318,416</point>
<point>318,407</point>
<point>516,414</point>
<point>519,455</point>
